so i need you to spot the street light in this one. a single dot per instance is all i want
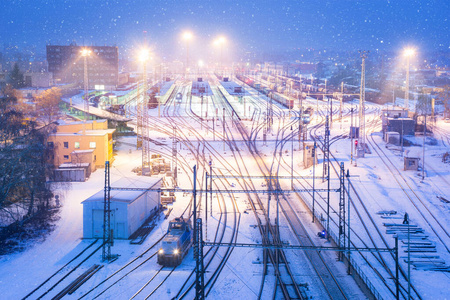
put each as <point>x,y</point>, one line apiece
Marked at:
<point>219,42</point>
<point>200,65</point>
<point>408,52</point>
<point>144,56</point>
<point>85,53</point>
<point>187,36</point>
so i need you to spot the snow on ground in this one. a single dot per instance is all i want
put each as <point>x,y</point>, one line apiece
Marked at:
<point>22,272</point>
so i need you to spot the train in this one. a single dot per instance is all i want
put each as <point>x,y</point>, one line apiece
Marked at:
<point>177,242</point>
<point>179,97</point>
<point>277,93</point>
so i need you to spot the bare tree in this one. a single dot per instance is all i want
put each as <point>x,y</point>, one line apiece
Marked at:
<point>47,104</point>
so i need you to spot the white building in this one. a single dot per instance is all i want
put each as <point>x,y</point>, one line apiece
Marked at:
<point>129,209</point>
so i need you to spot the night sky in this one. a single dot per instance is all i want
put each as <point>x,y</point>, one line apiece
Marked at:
<point>254,26</point>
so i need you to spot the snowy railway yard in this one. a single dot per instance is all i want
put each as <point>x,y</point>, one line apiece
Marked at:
<point>261,236</point>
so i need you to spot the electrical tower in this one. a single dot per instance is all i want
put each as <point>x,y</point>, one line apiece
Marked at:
<point>146,169</point>
<point>85,53</point>
<point>138,116</point>
<point>362,99</point>
<point>174,156</point>
<point>326,149</point>
<point>107,238</point>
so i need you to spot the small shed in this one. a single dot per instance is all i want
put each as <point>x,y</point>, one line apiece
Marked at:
<point>411,163</point>
<point>411,160</point>
<point>85,166</point>
<point>69,174</point>
<point>129,209</point>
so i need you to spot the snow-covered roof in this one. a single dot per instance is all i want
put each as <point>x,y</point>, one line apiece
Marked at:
<point>140,182</point>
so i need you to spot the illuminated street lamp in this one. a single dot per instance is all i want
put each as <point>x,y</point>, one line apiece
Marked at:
<point>200,65</point>
<point>408,52</point>
<point>85,53</point>
<point>219,42</point>
<point>144,56</point>
<point>187,36</point>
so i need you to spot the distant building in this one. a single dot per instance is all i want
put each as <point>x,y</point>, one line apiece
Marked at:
<point>38,79</point>
<point>67,65</point>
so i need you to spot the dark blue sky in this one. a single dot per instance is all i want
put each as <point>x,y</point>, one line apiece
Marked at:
<point>256,26</point>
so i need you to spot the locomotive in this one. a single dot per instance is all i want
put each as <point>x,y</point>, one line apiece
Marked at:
<point>176,243</point>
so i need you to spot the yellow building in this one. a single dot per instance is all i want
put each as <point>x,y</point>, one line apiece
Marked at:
<point>77,136</point>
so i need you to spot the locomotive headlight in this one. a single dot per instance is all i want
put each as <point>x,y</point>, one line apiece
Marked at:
<point>175,251</point>
<point>161,251</point>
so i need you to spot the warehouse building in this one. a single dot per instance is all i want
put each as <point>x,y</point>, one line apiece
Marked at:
<point>129,209</point>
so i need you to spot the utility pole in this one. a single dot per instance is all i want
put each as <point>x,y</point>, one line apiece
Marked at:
<point>206,206</point>
<point>210,185</point>
<point>198,246</point>
<point>351,137</point>
<point>349,269</point>
<point>326,165</point>
<point>314,180</point>
<point>223,125</point>
<point>292,159</point>
<point>341,241</point>
<point>174,156</point>
<point>424,139</point>
<point>362,99</point>
<point>340,102</point>
<point>326,145</point>
<point>406,221</point>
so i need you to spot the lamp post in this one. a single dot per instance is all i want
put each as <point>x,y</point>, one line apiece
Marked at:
<point>408,52</point>
<point>187,36</point>
<point>144,57</point>
<point>219,42</point>
<point>85,53</point>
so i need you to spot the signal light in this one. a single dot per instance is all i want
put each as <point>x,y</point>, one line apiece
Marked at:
<point>356,142</point>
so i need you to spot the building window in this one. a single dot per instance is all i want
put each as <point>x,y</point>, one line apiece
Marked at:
<point>66,145</point>
<point>50,145</point>
<point>77,145</point>
<point>66,156</point>
<point>92,145</point>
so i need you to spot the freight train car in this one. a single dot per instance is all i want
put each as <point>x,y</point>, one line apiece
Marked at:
<point>176,243</point>
<point>269,91</point>
<point>283,100</point>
